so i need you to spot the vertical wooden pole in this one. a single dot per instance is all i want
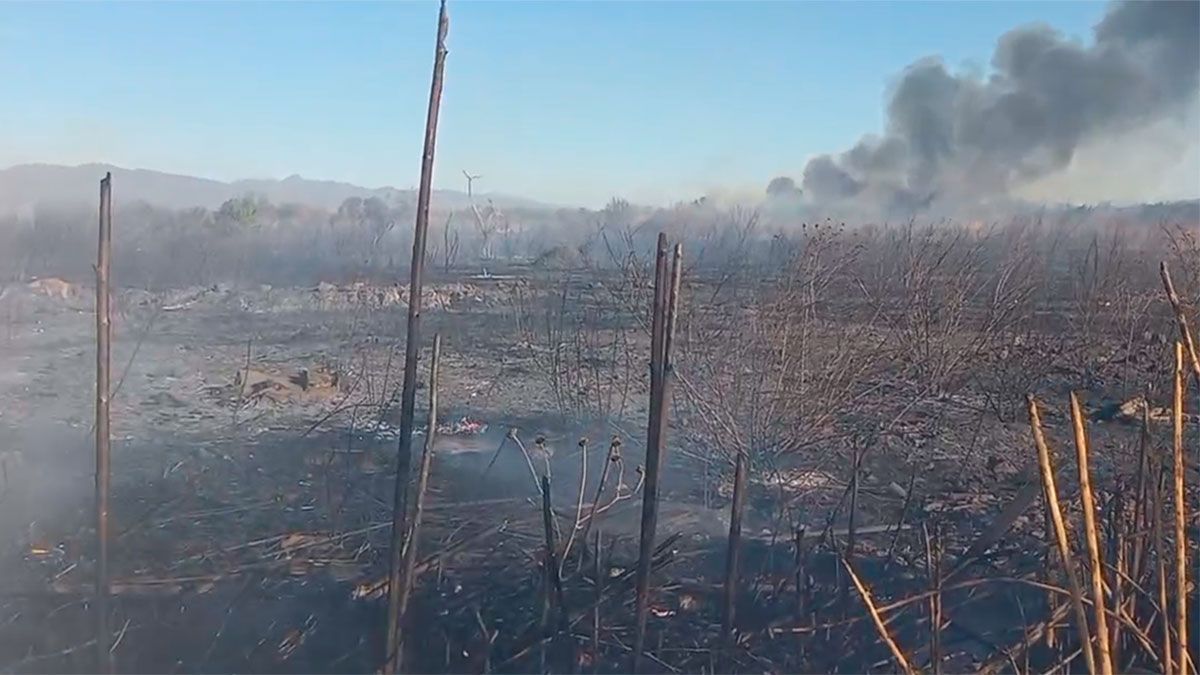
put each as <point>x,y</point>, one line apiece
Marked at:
<point>410,548</point>
<point>412,348</point>
<point>666,297</point>
<point>733,550</point>
<point>103,433</point>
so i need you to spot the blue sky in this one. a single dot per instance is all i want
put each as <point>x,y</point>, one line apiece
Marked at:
<point>570,102</point>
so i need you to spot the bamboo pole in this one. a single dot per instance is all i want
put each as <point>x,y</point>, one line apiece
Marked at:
<point>412,348</point>
<point>1092,538</point>
<point>103,420</point>
<point>408,576</point>
<point>1060,533</point>
<point>1181,633</point>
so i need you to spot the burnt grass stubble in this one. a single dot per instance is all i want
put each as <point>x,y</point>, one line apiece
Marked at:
<point>250,532</point>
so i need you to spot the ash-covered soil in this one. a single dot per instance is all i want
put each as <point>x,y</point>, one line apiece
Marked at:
<point>254,441</point>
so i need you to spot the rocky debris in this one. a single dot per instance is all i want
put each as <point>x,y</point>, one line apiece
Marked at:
<point>255,384</point>
<point>330,296</point>
<point>54,287</point>
<point>1130,412</point>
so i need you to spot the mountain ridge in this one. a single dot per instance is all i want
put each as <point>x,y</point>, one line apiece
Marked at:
<point>24,186</point>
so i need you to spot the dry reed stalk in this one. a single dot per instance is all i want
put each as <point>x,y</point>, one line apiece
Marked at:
<point>583,444</point>
<point>1060,532</point>
<point>880,627</point>
<point>1053,600</point>
<point>1181,634</point>
<point>552,575</point>
<point>933,570</point>
<point>1160,549</point>
<point>1119,574</point>
<point>614,456</point>
<point>1141,511</point>
<point>1185,333</point>
<point>1092,538</point>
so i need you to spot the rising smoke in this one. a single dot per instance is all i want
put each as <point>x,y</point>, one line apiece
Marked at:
<point>957,140</point>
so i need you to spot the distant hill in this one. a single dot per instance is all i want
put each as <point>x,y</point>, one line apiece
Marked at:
<point>25,185</point>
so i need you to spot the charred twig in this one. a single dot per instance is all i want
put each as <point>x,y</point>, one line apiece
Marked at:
<point>554,579</point>
<point>583,443</point>
<point>412,346</point>
<point>614,455</point>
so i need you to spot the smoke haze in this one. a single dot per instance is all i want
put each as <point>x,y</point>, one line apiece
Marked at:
<point>1049,105</point>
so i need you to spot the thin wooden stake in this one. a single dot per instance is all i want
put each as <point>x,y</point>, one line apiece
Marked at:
<point>554,581</point>
<point>1092,538</point>
<point>734,545</point>
<point>1181,633</point>
<point>661,325</point>
<point>408,577</point>
<point>103,429</point>
<point>1060,533</point>
<point>412,349</point>
<point>598,571</point>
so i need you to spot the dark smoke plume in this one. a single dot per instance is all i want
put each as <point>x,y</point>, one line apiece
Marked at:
<point>954,140</point>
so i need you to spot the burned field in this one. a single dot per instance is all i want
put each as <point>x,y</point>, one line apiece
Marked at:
<point>872,382</point>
